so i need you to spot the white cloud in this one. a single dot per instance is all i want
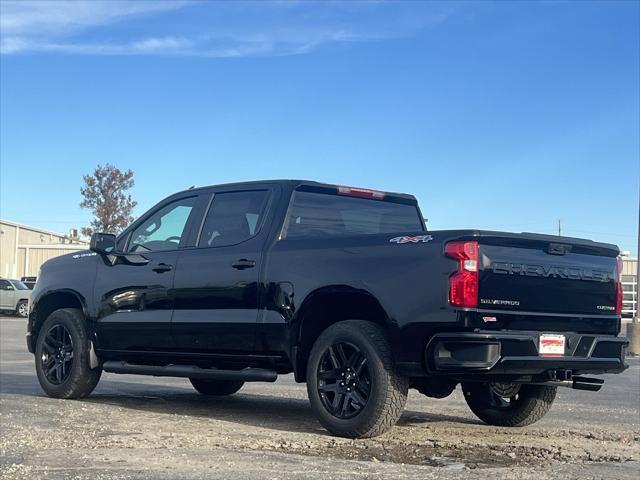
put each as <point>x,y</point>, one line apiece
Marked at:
<point>37,25</point>
<point>234,29</point>
<point>36,18</point>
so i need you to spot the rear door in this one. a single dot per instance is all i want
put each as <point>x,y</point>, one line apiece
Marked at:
<point>217,280</point>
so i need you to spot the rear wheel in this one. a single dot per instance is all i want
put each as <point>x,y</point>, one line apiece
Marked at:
<point>216,387</point>
<point>62,356</point>
<point>508,404</point>
<point>352,383</point>
<point>22,309</point>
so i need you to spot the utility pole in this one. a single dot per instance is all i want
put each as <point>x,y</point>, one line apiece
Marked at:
<point>636,317</point>
<point>559,228</point>
<point>633,328</point>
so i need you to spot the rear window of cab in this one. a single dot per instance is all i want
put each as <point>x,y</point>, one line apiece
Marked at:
<point>325,215</point>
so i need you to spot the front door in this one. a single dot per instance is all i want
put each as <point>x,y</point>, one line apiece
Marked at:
<point>134,293</point>
<point>216,285</point>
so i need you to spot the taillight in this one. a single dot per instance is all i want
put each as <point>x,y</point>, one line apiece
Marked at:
<point>619,288</point>
<point>463,285</point>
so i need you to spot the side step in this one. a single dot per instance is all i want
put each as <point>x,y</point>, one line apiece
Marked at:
<point>191,371</point>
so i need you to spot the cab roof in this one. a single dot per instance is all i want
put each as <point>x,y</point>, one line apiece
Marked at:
<point>309,185</point>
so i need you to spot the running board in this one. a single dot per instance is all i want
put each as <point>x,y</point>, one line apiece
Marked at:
<point>191,371</point>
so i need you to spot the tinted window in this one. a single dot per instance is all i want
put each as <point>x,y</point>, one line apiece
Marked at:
<point>317,214</point>
<point>19,285</point>
<point>5,285</point>
<point>164,229</point>
<point>233,218</point>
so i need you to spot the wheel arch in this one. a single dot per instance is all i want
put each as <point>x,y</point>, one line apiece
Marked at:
<point>48,303</point>
<point>326,306</point>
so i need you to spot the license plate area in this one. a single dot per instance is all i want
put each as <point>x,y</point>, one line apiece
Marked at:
<point>551,345</point>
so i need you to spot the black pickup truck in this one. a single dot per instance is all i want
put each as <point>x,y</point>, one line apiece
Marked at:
<point>342,286</point>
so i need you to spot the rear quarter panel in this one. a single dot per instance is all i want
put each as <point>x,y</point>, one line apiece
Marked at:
<point>409,280</point>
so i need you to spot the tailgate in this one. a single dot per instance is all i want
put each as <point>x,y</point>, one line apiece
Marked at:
<point>530,273</point>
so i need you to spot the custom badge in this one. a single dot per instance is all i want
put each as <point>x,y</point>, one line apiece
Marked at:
<point>409,239</point>
<point>82,255</point>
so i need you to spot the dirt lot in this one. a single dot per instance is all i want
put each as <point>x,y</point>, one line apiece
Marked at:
<point>139,427</point>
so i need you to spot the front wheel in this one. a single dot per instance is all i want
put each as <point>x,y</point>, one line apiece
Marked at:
<point>22,309</point>
<point>352,382</point>
<point>62,356</point>
<point>508,404</point>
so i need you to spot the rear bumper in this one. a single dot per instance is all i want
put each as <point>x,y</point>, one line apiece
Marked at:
<point>516,353</point>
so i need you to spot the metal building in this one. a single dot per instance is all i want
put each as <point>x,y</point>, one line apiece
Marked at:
<point>629,287</point>
<point>23,249</point>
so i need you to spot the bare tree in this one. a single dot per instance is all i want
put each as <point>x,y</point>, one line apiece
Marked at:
<point>105,193</point>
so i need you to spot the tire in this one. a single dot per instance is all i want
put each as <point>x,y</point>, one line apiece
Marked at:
<point>63,366</point>
<point>217,388</point>
<point>22,309</point>
<point>376,393</point>
<point>524,407</point>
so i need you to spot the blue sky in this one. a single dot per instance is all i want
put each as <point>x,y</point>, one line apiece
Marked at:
<point>496,115</point>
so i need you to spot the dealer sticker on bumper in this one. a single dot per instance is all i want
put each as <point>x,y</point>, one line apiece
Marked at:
<point>551,345</point>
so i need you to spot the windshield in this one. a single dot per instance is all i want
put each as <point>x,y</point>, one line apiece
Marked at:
<point>19,285</point>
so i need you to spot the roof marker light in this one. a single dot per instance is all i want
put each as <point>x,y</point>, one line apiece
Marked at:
<point>361,192</point>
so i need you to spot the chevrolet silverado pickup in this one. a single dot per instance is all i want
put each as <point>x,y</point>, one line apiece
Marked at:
<point>346,288</point>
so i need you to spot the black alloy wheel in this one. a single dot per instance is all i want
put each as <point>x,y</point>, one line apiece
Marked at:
<point>503,395</point>
<point>57,354</point>
<point>508,404</point>
<point>353,385</point>
<point>344,380</point>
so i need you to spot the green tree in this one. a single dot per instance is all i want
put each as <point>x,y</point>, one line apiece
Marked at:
<point>105,194</point>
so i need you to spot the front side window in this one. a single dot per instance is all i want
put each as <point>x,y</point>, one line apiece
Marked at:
<point>164,229</point>
<point>323,215</point>
<point>233,218</point>
<point>5,285</point>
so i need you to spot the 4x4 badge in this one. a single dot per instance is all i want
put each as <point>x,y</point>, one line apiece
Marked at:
<point>416,239</point>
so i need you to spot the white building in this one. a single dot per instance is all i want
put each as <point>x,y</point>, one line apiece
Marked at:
<point>23,249</point>
<point>629,287</point>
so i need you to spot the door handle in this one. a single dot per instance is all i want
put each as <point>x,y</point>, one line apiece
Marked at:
<point>243,264</point>
<point>162,267</point>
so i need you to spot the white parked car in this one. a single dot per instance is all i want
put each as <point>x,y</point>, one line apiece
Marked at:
<point>14,296</point>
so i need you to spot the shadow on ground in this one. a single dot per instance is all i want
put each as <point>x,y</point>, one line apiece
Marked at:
<point>264,411</point>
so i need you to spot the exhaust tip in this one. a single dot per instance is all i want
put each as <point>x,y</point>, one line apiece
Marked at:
<point>587,383</point>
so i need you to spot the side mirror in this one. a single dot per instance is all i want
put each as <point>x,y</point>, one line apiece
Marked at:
<point>103,243</point>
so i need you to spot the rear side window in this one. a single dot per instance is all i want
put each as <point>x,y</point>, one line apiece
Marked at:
<point>322,215</point>
<point>233,218</point>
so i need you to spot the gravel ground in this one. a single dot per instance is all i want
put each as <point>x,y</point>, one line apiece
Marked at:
<point>136,427</point>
